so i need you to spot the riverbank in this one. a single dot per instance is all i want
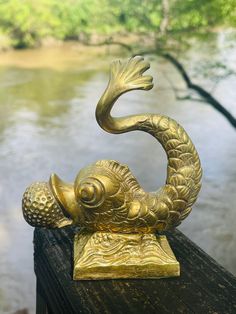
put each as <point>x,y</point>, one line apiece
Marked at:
<point>57,56</point>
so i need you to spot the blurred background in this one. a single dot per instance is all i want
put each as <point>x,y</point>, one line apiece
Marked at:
<point>54,62</point>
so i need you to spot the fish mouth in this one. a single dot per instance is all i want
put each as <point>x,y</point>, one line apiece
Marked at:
<point>65,196</point>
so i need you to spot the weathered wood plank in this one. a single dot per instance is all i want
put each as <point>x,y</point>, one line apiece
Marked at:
<point>204,286</point>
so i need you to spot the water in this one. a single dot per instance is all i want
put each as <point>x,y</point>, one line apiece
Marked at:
<point>47,103</point>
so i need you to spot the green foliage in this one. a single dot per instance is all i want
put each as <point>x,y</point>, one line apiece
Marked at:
<point>27,22</point>
<point>192,14</point>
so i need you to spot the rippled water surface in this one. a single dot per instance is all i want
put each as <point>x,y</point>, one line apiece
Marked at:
<point>47,103</point>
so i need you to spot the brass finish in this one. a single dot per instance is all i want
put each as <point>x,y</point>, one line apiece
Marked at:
<point>121,255</point>
<point>109,204</point>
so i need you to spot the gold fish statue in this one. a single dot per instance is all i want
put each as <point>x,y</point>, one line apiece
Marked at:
<point>120,222</point>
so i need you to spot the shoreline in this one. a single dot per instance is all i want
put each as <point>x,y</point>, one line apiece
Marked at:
<point>59,57</point>
<point>126,38</point>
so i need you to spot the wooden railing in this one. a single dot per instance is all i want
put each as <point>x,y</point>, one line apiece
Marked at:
<point>203,287</point>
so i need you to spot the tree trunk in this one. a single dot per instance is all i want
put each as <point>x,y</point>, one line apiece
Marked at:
<point>165,17</point>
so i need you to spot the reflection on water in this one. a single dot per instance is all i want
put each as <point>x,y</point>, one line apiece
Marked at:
<point>48,125</point>
<point>211,62</point>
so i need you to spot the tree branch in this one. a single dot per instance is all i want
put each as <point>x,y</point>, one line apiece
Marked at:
<point>200,90</point>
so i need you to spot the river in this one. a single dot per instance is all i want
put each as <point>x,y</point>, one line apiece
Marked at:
<point>47,102</point>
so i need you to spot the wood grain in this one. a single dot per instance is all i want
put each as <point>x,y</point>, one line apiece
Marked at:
<point>203,287</point>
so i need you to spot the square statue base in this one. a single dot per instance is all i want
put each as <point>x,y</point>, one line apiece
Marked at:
<point>104,255</point>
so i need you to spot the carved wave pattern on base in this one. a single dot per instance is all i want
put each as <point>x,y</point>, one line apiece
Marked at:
<point>115,249</point>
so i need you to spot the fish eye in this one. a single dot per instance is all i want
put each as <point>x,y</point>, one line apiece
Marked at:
<point>86,192</point>
<point>90,192</point>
